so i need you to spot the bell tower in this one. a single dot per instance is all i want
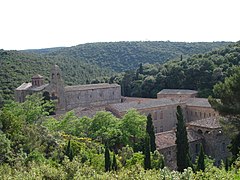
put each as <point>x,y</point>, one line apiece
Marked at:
<point>56,87</point>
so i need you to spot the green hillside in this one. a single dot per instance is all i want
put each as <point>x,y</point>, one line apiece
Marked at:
<point>121,56</point>
<point>18,67</point>
<point>198,72</point>
<point>80,64</point>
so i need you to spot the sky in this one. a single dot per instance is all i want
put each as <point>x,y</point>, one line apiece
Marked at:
<point>34,24</point>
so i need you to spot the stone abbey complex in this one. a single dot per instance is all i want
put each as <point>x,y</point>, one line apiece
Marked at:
<point>70,97</point>
<point>202,121</point>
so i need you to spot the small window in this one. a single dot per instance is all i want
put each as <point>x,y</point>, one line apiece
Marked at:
<point>156,130</point>
<point>209,114</point>
<point>161,115</point>
<point>169,153</point>
<point>199,131</point>
<point>196,114</point>
<point>155,115</point>
<point>204,115</point>
<point>223,147</point>
<point>161,128</point>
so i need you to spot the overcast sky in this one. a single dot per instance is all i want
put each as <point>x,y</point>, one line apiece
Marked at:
<point>29,24</point>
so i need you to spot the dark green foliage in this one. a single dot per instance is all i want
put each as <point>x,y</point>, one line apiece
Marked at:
<point>227,164</point>
<point>107,159</point>
<point>151,133</point>
<point>141,68</point>
<point>128,55</point>
<point>183,158</point>
<point>69,151</point>
<point>234,147</point>
<point>227,103</point>
<point>147,154</point>
<point>197,72</point>
<point>200,161</point>
<point>157,160</point>
<point>114,163</point>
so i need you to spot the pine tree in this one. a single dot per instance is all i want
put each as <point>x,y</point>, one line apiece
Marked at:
<point>200,161</point>
<point>151,133</point>
<point>147,155</point>
<point>107,159</point>
<point>183,158</point>
<point>114,164</point>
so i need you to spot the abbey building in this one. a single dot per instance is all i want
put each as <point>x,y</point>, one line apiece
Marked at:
<point>202,121</point>
<point>70,97</point>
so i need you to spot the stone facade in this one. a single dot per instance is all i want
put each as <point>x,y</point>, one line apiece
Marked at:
<point>69,97</point>
<point>203,123</point>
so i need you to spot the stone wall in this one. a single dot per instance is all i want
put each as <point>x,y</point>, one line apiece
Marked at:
<point>92,97</point>
<point>194,113</point>
<point>215,143</point>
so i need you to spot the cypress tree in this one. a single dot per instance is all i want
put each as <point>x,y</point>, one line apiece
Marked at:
<point>107,159</point>
<point>226,164</point>
<point>140,68</point>
<point>69,151</point>
<point>147,155</point>
<point>183,158</point>
<point>114,164</point>
<point>151,133</point>
<point>200,162</point>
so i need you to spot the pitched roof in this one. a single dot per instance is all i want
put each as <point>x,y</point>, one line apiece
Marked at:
<point>39,88</point>
<point>122,107</point>
<point>177,91</point>
<point>200,102</point>
<point>24,86</point>
<point>37,76</point>
<point>211,122</point>
<point>168,138</point>
<point>90,86</point>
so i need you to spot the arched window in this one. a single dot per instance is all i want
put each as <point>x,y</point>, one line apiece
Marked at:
<point>199,131</point>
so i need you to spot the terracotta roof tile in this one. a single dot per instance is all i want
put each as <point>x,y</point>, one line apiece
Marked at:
<point>211,122</point>
<point>90,86</point>
<point>168,138</point>
<point>177,91</point>
<point>122,107</point>
<point>200,102</point>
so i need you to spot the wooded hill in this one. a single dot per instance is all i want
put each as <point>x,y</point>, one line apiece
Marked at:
<point>80,64</point>
<point>18,67</point>
<point>198,72</point>
<point>122,56</point>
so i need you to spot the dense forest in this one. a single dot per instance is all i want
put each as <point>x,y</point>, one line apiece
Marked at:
<point>122,56</point>
<point>197,72</point>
